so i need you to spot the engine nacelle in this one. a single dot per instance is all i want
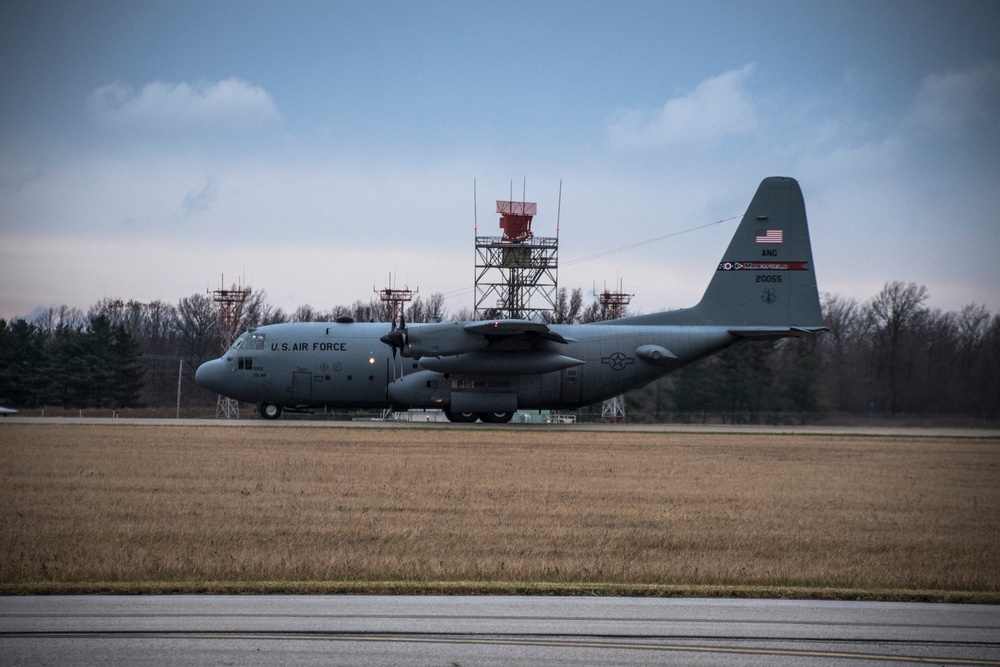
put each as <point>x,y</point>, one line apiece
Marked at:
<point>423,389</point>
<point>440,340</point>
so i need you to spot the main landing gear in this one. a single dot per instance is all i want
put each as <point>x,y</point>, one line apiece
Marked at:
<point>485,417</point>
<point>269,410</point>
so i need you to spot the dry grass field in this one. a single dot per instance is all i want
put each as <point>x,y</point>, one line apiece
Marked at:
<point>293,508</point>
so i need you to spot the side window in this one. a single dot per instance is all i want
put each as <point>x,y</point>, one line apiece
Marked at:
<point>239,342</point>
<point>245,363</point>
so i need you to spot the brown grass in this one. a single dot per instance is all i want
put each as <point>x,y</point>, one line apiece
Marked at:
<point>166,505</point>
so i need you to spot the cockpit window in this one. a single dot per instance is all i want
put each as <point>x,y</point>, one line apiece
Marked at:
<point>249,341</point>
<point>254,341</point>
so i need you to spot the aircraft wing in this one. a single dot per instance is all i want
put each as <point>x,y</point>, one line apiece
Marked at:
<point>502,328</point>
<point>498,347</point>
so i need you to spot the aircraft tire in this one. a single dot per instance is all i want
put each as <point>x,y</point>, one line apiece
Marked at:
<point>461,417</point>
<point>495,417</point>
<point>269,410</point>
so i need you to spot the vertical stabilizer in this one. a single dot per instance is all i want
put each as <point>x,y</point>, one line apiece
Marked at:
<point>766,277</point>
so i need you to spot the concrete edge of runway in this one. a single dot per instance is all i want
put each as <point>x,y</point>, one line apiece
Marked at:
<point>512,588</point>
<point>869,431</point>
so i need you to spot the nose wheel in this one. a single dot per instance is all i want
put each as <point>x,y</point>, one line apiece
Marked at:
<point>269,410</point>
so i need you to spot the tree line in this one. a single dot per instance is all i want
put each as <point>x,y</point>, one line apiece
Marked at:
<point>891,354</point>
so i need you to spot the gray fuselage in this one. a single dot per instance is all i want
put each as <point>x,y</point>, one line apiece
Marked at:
<point>345,365</point>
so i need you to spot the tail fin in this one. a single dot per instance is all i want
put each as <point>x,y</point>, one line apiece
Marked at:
<point>766,279</point>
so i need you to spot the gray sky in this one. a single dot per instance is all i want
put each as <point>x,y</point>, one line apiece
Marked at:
<point>149,148</point>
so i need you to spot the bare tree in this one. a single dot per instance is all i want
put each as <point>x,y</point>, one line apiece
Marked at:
<point>592,313</point>
<point>62,317</point>
<point>847,379</point>
<point>198,327</point>
<point>305,313</point>
<point>435,307</point>
<point>567,310</point>
<point>462,315</point>
<point>894,312</point>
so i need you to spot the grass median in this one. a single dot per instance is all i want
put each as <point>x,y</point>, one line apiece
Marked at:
<point>118,508</point>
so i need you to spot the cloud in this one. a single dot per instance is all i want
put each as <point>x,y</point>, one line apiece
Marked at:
<point>951,101</point>
<point>716,108</point>
<point>196,201</point>
<point>228,104</point>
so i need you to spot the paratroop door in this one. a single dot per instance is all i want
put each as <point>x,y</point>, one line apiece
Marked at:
<point>302,387</point>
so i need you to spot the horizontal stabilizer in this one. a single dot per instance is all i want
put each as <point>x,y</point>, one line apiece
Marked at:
<point>776,332</point>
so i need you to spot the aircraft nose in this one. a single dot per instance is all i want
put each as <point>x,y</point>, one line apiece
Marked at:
<point>212,375</point>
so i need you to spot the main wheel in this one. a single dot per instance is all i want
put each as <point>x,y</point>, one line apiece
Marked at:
<point>496,417</point>
<point>269,410</point>
<point>461,417</point>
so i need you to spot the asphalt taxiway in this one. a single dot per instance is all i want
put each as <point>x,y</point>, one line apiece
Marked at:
<point>489,630</point>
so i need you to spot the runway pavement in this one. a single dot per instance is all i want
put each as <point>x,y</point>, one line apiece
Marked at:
<point>489,630</point>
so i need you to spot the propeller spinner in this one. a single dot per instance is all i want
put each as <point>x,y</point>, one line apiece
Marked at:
<point>396,338</point>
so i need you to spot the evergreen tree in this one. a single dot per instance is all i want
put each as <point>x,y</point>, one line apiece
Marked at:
<point>22,348</point>
<point>127,381</point>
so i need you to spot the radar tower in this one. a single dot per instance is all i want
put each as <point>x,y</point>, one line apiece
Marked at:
<point>516,272</point>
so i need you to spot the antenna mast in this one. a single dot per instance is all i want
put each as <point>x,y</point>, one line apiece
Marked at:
<point>394,300</point>
<point>613,305</point>
<point>230,303</point>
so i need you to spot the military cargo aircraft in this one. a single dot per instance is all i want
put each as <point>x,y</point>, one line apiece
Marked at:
<point>763,288</point>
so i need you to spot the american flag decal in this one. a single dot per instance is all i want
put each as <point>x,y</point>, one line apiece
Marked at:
<point>769,236</point>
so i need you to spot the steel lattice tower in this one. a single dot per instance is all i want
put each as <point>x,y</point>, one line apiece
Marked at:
<point>395,300</point>
<point>516,273</point>
<point>230,305</point>
<point>613,306</point>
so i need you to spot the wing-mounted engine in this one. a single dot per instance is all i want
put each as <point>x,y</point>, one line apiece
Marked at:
<point>440,339</point>
<point>497,347</point>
